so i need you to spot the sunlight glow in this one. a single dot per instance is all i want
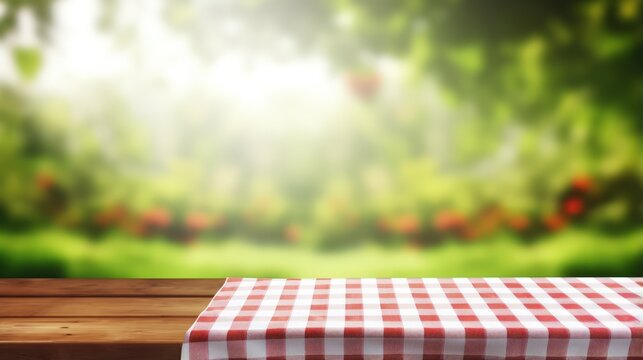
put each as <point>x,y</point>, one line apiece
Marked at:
<point>154,55</point>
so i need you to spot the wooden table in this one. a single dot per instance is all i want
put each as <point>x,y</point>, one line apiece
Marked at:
<point>99,318</point>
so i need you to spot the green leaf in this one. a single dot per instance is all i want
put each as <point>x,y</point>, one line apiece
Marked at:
<point>609,46</point>
<point>28,62</point>
<point>469,58</point>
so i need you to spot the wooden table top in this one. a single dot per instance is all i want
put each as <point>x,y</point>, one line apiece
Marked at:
<point>99,318</point>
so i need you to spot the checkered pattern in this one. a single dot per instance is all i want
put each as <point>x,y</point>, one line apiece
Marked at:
<point>562,318</point>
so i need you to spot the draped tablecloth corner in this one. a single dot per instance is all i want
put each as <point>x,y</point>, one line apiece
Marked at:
<point>563,318</point>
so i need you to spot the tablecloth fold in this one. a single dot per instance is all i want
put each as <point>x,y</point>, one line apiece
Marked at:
<point>564,318</point>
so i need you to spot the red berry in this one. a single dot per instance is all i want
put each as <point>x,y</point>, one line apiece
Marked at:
<point>45,181</point>
<point>582,183</point>
<point>518,222</point>
<point>407,224</point>
<point>554,222</point>
<point>197,221</point>
<point>449,220</point>
<point>157,217</point>
<point>573,206</point>
<point>292,233</point>
<point>470,233</point>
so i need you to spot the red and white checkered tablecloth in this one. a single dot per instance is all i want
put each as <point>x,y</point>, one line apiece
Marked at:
<point>563,318</point>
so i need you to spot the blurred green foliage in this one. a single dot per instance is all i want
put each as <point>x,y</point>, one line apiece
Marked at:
<point>516,120</point>
<point>58,253</point>
<point>28,62</point>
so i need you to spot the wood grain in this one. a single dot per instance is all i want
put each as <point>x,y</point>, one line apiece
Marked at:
<point>30,331</point>
<point>101,306</point>
<point>109,287</point>
<point>99,319</point>
<point>89,351</point>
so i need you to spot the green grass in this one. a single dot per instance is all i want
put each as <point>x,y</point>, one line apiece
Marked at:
<point>55,253</point>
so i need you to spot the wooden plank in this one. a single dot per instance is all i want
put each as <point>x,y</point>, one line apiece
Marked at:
<point>116,330</point>
<point>99,319</point>
<point>90,351</point>
<point>109,287</point>
<point>101,306</point>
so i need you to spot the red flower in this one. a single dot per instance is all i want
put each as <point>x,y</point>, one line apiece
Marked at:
<point>45,181</point>
<point>292,233</point>
<point>518,222</point>
<point>136,228</point>
<point>554,222</point>
<point>582,183</point>
<point>197,221</point>
<point>470,233</point>
<point>111,216</point>
<point>449,220</point>
<point>407,224</point>
<point>158,217</point>
<point>573,206</point>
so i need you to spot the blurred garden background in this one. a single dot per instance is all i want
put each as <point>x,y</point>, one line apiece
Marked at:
<point>291,138</point>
